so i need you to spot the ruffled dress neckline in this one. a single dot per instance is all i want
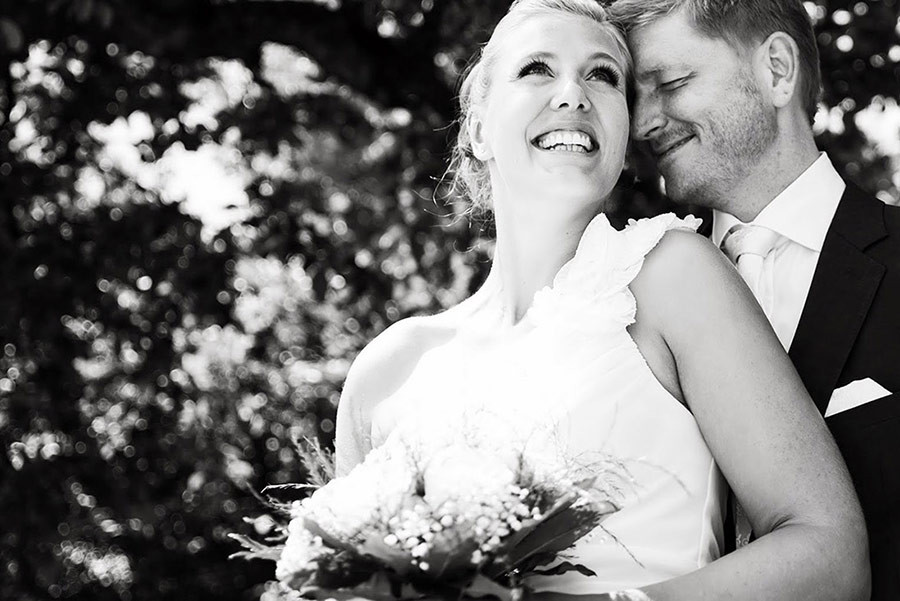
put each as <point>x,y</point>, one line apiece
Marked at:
<point>575,385</point>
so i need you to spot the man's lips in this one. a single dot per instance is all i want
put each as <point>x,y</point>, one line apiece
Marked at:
<point>661,151</point>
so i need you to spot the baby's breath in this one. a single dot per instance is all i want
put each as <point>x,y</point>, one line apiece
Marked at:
<point>413,516</point>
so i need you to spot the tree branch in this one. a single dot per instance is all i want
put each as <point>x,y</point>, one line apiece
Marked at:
<point>390,71</point>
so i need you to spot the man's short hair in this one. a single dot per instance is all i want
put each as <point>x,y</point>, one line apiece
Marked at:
<point>739,22</point>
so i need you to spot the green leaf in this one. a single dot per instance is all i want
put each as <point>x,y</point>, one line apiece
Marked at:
<point>254,549</point>
<point>318,461</point>
<point>558,529</point>
<point>379,587</point>
<point>286,493</point>
<point>345,569</point>
<point>564,567</point>
<point>394,558</point>
<point>530,525</point>
<point>555,534</point>
<point>482,586</point>
<point>451,559</point>
<point>329,539</point>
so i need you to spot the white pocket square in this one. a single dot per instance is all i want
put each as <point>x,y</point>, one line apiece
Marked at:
<point>855,394</point>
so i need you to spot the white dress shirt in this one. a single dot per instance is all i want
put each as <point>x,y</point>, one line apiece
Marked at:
<point>801,214</point>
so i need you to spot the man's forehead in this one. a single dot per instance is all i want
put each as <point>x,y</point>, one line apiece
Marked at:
<point>672,43</point>
<point>654,56</point>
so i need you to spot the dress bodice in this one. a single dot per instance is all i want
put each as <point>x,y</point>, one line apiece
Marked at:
<point>572,383</point>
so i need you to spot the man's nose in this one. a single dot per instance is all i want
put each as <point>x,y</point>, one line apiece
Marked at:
<point>648,119</point>
<point>571,96</point>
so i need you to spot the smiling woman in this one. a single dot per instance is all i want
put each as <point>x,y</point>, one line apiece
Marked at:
<point>590,343</point>
<point>553,125</point>
<point>525,65</point>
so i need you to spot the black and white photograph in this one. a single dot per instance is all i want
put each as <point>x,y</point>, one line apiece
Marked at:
<point>450,300</point>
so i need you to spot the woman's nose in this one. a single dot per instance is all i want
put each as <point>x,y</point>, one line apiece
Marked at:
<point>571,96</point>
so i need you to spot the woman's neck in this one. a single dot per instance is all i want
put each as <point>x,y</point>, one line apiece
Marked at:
<point>531,248</point>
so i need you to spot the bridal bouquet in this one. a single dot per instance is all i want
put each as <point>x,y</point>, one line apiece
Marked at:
<point>464,518</point>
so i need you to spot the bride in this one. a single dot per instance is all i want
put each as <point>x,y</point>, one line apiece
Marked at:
<point>643,344</point>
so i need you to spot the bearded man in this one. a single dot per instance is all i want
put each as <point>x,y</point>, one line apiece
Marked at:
<point>725,92</point>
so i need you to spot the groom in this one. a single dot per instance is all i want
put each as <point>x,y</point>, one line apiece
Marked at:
<point>725,94</point>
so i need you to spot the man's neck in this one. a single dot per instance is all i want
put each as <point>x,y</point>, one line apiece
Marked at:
<point>785,161</point>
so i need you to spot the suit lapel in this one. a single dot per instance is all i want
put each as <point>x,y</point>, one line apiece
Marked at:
<point>841,292</point>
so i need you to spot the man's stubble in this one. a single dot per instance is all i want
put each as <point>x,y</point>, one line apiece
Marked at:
<point>735,136</point>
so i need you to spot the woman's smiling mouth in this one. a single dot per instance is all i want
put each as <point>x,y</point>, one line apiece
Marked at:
<point>566,140</point>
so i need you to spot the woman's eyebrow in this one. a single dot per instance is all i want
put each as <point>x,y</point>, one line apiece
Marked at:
<point>538,54</point>
<point>607,56</point>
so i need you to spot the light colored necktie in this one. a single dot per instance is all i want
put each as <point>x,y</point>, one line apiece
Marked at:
<point>748,246</point>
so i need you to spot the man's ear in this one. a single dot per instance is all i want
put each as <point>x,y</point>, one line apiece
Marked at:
<point>480,146</point>
<point>779,60</point>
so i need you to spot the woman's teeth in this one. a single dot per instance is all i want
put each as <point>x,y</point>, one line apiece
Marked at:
<point>570,141</point>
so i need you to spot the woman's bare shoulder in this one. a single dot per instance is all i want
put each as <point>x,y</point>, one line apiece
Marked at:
<point>379,370</point>
<point>389,359</point>
<point>683,250</point>
<point>687,286</point>
<point>683,266</point>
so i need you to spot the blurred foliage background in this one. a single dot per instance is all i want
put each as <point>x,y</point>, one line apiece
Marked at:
<point>207,207</point>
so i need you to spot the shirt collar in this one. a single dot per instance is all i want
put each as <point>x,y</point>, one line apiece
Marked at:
<point>802,212</point>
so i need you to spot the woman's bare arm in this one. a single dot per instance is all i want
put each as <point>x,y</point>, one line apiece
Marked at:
<point>378,371</point>
<point>766,435</point>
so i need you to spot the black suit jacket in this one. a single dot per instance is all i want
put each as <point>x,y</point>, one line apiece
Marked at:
<point>850,330</point>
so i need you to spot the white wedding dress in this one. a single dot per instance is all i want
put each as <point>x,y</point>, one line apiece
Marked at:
<point>572,381</point>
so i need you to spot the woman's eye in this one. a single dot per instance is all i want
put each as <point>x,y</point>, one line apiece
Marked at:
<point>535,67</point>
<point>607,74</point>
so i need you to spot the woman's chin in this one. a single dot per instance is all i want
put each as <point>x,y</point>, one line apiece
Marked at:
<point>564,201</point>
<point>577,172</point>
<point>573,189</point>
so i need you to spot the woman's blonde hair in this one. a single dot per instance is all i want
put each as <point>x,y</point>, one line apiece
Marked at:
<point>471,178</point>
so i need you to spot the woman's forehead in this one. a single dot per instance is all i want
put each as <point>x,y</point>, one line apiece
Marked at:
<point>552,32</point>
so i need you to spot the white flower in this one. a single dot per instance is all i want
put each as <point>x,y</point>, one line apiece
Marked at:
<point>367,497</point>
<point>463,473</point>
<point>301,551</point>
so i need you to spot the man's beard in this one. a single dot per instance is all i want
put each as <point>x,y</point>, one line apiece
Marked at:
<point>738,132</point>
